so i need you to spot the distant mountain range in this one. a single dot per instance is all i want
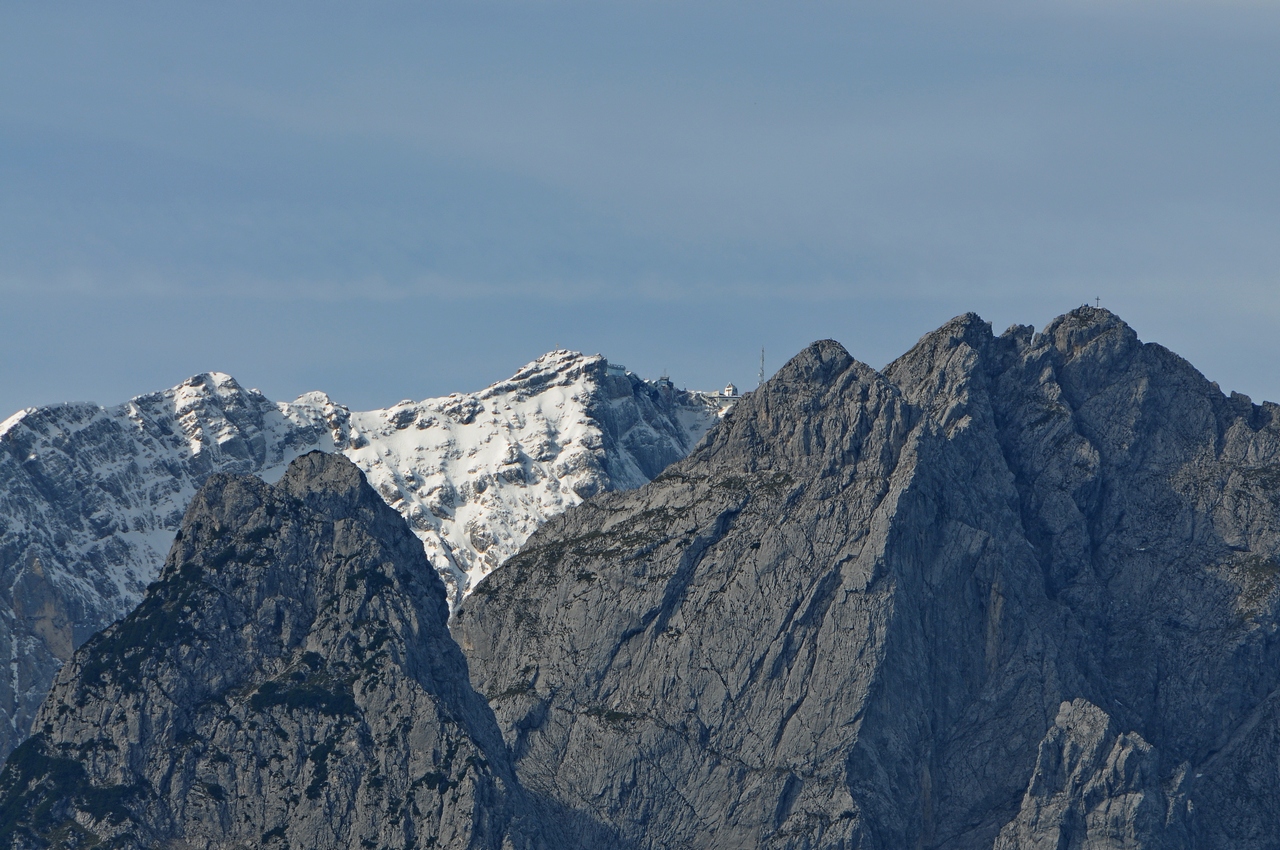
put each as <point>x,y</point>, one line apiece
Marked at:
<point>91,497</point>
<point>1010,592</point>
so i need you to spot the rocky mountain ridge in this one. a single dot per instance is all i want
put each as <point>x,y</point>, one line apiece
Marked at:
<point>1016,592</point>
<point>91,497</point>
<point>289,681</point>
<point>1009,592</point>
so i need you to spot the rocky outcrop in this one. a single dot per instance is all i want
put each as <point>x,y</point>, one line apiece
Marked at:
<point>852,616</point>
<point>90,497</point>
<point>1095,787</point>
<point>288,682</point>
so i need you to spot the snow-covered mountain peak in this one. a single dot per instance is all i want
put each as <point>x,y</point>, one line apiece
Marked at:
<point>476,473</point>
<point>12,422</point>
<point>91,496</point>
<point>559,367</point>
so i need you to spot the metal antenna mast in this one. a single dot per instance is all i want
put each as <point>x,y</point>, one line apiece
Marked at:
<point>761,366</point>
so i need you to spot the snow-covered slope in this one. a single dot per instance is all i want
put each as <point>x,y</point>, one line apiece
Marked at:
<point>475,474</point>
<point>90,497</point>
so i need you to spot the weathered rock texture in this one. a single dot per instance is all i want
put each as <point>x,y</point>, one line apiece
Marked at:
<point>1095,787</point>
<point>852,617</point>
<point>288,682</point>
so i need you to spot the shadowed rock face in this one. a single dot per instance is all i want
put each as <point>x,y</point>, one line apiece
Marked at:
<point>288,682</point>
<point>90,499</point>
<point>1015,591</point>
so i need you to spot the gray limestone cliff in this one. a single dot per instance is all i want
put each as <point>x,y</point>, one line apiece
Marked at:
<point>1017,591</point>
<point>289,681</point>
<point>1095,787</point>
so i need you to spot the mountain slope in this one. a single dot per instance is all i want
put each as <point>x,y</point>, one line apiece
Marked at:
<point>289,681</point>
<point>475,474</point>
<point>90,497</point>
<point>1016,591</point>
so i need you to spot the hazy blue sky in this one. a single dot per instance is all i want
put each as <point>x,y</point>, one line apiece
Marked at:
<point>389,200</point>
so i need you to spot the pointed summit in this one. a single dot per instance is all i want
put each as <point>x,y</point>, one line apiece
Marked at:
<point>92,496</point>
<point>807,411</point>
<point>1087,326</point>
<point>818,365</point>
<point>334,486</point>
<point>296,627</point>
<point>888,610</point>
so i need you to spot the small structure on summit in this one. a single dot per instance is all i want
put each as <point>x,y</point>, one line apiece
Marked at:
<point>725,398</point>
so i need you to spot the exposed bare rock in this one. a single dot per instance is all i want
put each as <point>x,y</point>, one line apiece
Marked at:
<point>851,616</point>
<point>288,682</point>
<point>1009,592</point>
<point>1096,789</point>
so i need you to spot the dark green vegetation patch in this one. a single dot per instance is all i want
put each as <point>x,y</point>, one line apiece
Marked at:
<point>160,621</point>
<point>319,695</point>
